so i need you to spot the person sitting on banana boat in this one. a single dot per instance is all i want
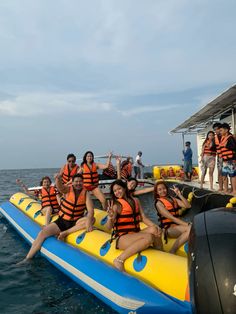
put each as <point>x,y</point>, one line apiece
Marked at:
<point>124,216</point>
<point>168,212</point>
<point>48,195</point>
<point>89,169</point>
<point>69,169</point>
<point>132,183</point>
<point>76,200</point>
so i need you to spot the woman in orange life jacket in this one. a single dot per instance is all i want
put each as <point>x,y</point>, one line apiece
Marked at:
<point>208,157</point>
<point>167,209</point>
<point>48,195</point>
<point>69,169</point>
<point>74,203</point>
<point>228,155</point>
<point>132,183</point>
<point>124,216</point>
<point>216,127</point>
<point>90,175</point>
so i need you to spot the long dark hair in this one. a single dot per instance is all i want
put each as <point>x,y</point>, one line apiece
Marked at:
<point>45,178</point>
<point>213,142</point>
<point>85,156</point>
<point>127,197</point>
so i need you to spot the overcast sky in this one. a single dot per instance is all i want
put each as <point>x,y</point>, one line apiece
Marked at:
<point>107,75</point>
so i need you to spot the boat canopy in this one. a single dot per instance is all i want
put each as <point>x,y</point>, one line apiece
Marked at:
<point>212,112</point>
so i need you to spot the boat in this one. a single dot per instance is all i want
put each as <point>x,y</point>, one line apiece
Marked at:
<point>155,282</point>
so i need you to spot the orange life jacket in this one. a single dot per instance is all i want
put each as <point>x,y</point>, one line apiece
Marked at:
<point>209,150</point>
<point>110,171</point>
<point>217,142</point>
<point>72,208</point>
<point>126,170</point>
<point>225,153</point>
<point>90,176</point>
<point>49,198</point>
<point>128,220</point>
<point>172,207</point>
<point>68,174</point>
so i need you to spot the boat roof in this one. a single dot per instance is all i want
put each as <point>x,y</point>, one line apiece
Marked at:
<point>209,114</point>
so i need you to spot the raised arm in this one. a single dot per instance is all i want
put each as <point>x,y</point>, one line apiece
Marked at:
<point>105,166</point>
<point>182,202</point>
<point>90,215</point>
<point>59,184</point>
<point>24,187</point>
<point>118,168</point>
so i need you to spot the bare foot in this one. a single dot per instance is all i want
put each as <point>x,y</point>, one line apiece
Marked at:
<point>62,235</point>
<point>23,262</point>
<point>119,264</point>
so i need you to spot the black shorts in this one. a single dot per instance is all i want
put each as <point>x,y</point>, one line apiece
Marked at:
<point>64,224</point>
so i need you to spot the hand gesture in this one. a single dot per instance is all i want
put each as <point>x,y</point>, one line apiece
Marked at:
<point>110,210</point>
<point>18,181</point>
<point>56,175</point>
<point>109,155</point>
<point>176,190</point>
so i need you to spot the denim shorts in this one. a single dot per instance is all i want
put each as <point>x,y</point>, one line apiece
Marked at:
<point>229,168</point>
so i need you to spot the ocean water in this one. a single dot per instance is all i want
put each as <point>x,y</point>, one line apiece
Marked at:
<point>37,287</point>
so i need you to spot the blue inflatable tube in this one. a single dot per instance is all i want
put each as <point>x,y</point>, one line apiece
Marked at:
<point>123,293</point>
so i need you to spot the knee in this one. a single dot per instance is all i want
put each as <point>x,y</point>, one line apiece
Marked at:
<point>149,239</point>
<point>155,231</point>
<point>42,235</point>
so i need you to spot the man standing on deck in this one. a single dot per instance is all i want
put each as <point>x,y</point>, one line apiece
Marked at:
<point>138,166</point>
<point>188,154</point>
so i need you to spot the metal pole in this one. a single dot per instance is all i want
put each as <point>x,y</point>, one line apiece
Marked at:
<point>183,140</point>
<point>233,121</point>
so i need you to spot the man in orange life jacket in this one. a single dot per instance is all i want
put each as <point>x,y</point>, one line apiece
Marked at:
<point>69,169</point>
<point>228,154</point>
<point>216,127</point>
<point>71,214</point>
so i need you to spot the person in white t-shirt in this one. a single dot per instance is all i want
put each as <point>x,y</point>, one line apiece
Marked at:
<point>138,166</point>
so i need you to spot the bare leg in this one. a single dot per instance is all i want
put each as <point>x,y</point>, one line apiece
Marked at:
<point>225,183</point>
<point>233,183</point>
<point>51,229</point>
<point>131,244</point>
<point>101,197</point>
<point>157,243</point>
<point>80,224</point>
<point>47,211</point>
<point>211,170</point>
<point>181,233</point>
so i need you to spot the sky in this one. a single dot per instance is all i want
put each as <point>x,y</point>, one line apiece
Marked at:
<point>106,75</point>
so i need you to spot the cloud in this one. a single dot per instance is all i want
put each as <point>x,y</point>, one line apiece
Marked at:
<point>31,104</point>
<point>146,109</point>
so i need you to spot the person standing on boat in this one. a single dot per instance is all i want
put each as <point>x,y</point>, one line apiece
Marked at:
<point>228,154</point>
<point>188,165</point>
<point>74,203</point>
<point>168,212</point>
<point>48,195</point>
<point>89,169</point>
<point>216,127</point>
<point>69,169</point>
<point>208,157</point>
<point>124,216</point>
<point>138,166</point>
